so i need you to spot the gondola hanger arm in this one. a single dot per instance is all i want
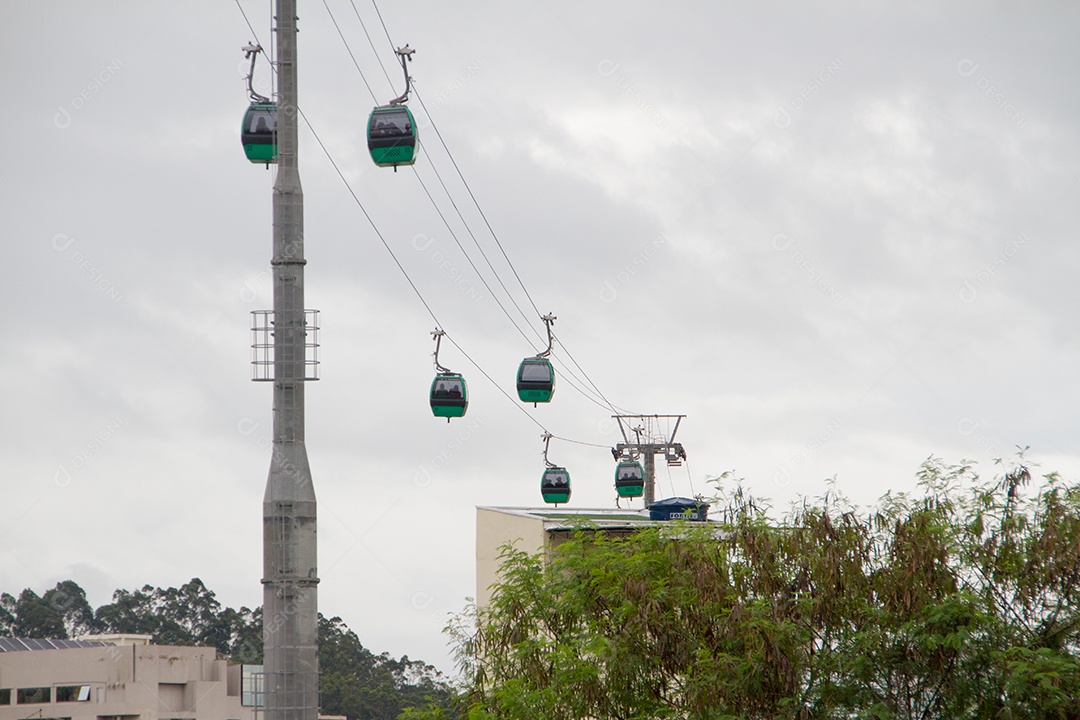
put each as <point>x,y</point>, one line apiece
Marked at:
<point>549,320</point>
<point>251,51</point>
<point>404,54</point>
<point>437,333</point>
<point>546,437</point>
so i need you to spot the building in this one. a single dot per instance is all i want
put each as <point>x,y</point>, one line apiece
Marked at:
<point>542,529</point>
<point>122,677</point>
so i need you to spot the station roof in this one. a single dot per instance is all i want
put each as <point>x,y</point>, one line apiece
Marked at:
<point>562,519</point>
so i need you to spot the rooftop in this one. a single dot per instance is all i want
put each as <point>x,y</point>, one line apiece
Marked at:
<point>18,644</point>
<point>555,519</point>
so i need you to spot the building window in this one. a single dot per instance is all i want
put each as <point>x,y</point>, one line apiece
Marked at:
<point>251,686</point>
<point>5,696</point>
<point>31,696</point>
<point>73,693</point>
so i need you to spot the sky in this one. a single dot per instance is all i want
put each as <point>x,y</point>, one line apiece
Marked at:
<point>839,238</point>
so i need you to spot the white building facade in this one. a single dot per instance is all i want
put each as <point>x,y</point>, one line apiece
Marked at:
<point>122,677</point>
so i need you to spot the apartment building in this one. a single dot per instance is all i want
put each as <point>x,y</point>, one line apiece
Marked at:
<point>122,677</point>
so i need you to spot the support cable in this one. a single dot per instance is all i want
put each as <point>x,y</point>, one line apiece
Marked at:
<point>397,262</point>
<point>439,175</point>
<point>472,235</point>
<point>603,402</point>
<point>487,224</point>
<point>461,175</point>
<point>476,203</point>
<point>371,42</point>
<point>412,284</point>
<point>468,258</point>
<point>416,290</point>
<point>423,185</point>
<point>349,50</point>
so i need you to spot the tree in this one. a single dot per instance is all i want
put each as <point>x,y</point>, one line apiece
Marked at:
<point>36,618</point>
<point>188,615</point>
<point>364,686</point>
<point>69,600</point>
<point>131,613</point>
<point>958,602</point>
<point>61,612</point>
<point>7,614</point>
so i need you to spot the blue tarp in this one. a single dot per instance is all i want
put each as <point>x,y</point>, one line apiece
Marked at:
<point>678,508</point>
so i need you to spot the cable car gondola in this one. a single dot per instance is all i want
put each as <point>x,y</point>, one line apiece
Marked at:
<point>391,136</point>
<point>629,479</point>
<point>555,485</point>
<point>258,133</point>
<point>258,130</point>
<point>449,395</point>
<point>536,376</point>
<point>535,380</point>
<point>555,482</point>
<point>391,129</point>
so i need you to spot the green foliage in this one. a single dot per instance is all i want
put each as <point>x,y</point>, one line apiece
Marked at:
<point>958,602</point>
<point>36,618</point>
<point>188,615</point>
<point>69,600</point>
<point>61,612</point>
<point>363,686</point>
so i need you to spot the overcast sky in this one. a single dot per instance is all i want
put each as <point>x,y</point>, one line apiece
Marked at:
<point>839,238</point>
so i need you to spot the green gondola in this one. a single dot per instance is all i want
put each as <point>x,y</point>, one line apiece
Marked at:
<point>449,395</point>
<point>535,380</point>
<point>555,485</point>
<point>391,130</point>
<point>258,133</point>
<point>629,479</point>
<point>258,130</point>
<point>391,136</point>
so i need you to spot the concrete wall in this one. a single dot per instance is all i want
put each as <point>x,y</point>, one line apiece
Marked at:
<point>134,682</point>
<point>494,528</point>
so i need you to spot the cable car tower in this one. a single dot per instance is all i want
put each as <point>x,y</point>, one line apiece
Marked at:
<point>282,341</point>
<point>655,443</point>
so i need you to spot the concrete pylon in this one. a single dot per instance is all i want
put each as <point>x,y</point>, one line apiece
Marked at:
<point>290,575</point>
